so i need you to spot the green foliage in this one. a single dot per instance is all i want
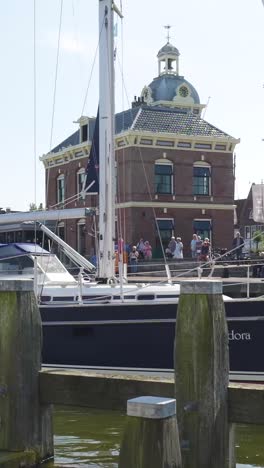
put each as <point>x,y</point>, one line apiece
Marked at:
<point>258,238</point>
<point>34,207</point>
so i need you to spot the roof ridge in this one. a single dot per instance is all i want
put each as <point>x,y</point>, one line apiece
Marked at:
<point>165,109</point>
<point>136,118</point>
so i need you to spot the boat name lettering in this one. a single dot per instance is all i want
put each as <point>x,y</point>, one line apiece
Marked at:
<point>239,336</point>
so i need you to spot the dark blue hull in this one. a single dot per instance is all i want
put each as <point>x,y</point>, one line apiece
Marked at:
<point>142,335</point>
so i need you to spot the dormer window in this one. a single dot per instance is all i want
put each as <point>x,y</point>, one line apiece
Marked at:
<point>84,133</point>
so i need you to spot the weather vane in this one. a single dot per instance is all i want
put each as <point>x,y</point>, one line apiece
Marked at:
<point>168,26</point>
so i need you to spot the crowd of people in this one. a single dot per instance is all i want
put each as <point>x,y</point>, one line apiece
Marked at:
<point>200,250</point>
<point>141,251</point>
<point>175,248</point>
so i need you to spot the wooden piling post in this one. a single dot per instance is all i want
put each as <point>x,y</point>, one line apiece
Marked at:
<point>201,375</point>
<point>151,435</point>
<point>25,424</point>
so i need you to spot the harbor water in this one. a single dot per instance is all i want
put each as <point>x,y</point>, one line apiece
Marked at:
<point>91,439</point>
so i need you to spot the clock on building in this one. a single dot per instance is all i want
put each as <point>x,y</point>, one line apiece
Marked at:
<point>183,91</point>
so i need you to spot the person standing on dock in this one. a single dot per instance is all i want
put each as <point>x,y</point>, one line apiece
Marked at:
<point>140,248</point>
<point>133,259</point>
<point>193,246</point>
<point>237,245</point>
<point>199,244</point>
<point>147,251</point>
<point>178,249</point>
<point>205,250</point>
<point>171,247</point>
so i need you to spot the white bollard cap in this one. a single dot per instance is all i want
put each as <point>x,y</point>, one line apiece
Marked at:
<point>16,285</point>
<point>151,407</point>
<point>197,286</point>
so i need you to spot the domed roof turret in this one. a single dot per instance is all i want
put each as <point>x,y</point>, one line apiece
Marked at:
<point>168,49</point>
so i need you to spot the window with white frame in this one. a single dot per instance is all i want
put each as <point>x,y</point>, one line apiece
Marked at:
<point>163,176</point>
<point>80,182</point>
<point>60,189</point>
<point>201,178</point>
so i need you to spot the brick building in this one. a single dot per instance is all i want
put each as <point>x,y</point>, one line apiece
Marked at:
<point>174,169</point>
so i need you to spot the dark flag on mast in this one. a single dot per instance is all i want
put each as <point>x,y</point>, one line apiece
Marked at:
<point>91,183</point>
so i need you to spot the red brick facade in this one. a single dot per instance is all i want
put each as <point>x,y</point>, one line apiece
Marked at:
<point>140,205</point>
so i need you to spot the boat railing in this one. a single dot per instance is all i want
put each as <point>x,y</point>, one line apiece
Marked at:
<point>236,272</point>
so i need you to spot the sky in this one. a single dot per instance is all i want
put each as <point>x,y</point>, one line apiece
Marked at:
<point>221,43</point>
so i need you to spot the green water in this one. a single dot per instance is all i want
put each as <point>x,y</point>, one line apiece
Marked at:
<point>91,438</point>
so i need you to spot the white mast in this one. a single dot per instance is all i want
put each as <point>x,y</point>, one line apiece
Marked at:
<point>106,139</point>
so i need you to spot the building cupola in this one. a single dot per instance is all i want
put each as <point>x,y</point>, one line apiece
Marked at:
<point>168,58</point>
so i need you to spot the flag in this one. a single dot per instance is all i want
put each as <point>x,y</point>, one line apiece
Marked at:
<point>91,184</point>
<point>258,202</point>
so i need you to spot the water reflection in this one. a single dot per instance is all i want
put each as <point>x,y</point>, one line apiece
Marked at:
<point>250,446</point>
<point>91,438</point>
<point>87,438</point>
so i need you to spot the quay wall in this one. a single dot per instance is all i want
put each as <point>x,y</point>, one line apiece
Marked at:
<point>111,391</point>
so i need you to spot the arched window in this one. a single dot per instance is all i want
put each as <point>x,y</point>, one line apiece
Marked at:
<point>60,189</point>
<point>201,178</point>
<point>80,182</point>
<point>163,176</point>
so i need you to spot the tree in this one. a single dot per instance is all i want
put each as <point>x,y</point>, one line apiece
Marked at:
<point>258,237</point>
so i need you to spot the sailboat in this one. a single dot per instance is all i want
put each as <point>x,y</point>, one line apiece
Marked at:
<point>103,321</point>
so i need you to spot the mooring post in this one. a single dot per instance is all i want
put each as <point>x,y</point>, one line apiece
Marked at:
<point>151,435</point>
<point>26,436</point>
<point>201,376</point>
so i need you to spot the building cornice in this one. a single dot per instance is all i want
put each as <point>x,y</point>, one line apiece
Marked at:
<point>144,139</point>
<point>66,155</point>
